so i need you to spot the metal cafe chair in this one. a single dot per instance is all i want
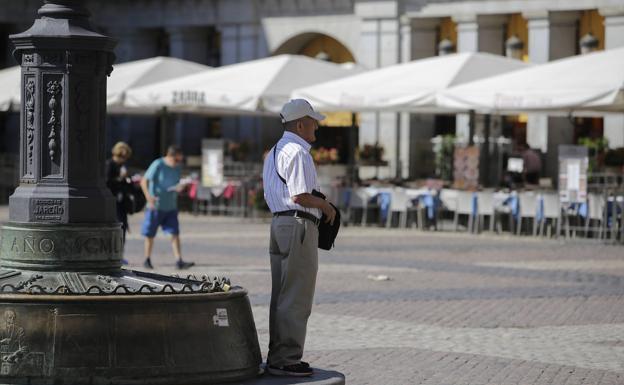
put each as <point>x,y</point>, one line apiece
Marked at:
<point>551,211</point>
<point>464,206</point>
<point>485,208</point>
<point>399,203</point>
<point>528,210</point>
<point>358,202</point>
<point>448,204</point>
<point>596,204</point>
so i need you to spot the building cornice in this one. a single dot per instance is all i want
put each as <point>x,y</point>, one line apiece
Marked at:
<point>466,9</point>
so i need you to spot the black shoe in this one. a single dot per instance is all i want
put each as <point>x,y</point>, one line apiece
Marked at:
<point>295,370</point>
<point>148,264</point>
<point>184,265</point>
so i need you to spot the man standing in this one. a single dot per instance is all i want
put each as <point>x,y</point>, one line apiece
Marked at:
<point>160,185</point>
<point>289,181</point>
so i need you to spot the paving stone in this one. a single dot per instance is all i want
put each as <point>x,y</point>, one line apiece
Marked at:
<point>459,308</point>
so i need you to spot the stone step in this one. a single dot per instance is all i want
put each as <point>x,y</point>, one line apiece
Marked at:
<point>320,377</point>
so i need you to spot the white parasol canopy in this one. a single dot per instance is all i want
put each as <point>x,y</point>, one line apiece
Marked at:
<point>124,77</point>
<point>140,73</point>
<point>255,87</point>
<point>592,82</point>
<point>10,88</point>
<point>408,87</point>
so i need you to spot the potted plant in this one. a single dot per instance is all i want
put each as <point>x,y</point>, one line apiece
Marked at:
<point>444,148</point>
<point>324,155</point>
<point>596,148</point>
<point>371,155</point>
<point>614,160</point>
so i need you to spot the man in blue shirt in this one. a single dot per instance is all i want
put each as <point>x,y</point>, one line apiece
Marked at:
<point>160,185</point>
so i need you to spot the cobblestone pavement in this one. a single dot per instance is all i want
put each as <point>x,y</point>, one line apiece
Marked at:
<point>458,308</point>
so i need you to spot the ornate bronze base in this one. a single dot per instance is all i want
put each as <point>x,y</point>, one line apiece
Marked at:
<point>127,339</point>
<point>77,247</point>
<point>114,326</point>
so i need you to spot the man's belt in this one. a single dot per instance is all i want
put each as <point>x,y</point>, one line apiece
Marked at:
<point>298,214</point>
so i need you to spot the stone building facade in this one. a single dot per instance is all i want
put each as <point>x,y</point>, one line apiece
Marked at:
<point>373,33</point>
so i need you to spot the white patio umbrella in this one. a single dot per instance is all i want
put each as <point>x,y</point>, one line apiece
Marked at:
<point>592,82</point>
<point>140,73</point>
<point>10,88</point>
<point>406,87</point>
<point>255,87</point>
<point>124,77</point>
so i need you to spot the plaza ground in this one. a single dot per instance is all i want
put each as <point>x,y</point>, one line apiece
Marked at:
<point>457,308</point>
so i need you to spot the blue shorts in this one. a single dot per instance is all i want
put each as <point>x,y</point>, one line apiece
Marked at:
<point>168,220</point>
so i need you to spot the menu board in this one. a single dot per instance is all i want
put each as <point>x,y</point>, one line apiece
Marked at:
<point>573,165</point>
<point>466,167</point>
<point>212,162</point>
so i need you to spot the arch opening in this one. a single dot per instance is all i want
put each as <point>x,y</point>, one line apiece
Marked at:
<point>317,45</point>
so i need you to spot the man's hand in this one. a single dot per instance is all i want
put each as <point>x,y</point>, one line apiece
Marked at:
<point>309,200</point>
<point>329,212</point>
<point>151,201</point>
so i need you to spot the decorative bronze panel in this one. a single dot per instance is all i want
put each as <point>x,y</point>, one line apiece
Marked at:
<point>18,357</point>
<point>29,126</point>
<point>81,341</point>
<point>28,59</point>
<point>54,89</point>
<point>52,127</point>
<point>139,341</point>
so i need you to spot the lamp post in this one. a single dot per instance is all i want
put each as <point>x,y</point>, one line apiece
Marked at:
<point>588,43</point>
<point>71,314</point>
<point>514,47</point>
<point>445,47</point>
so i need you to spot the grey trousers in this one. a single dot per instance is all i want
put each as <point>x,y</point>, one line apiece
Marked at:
<point>294,264</point>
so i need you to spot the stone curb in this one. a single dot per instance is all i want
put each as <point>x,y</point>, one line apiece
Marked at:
<point>320,377</point>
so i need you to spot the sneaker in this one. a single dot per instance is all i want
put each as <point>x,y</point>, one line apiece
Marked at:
<point>148,264</point>
<point>180,264</point>
<point>295,370</point>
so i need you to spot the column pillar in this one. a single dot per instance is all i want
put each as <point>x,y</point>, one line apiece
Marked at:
<point>405,48</point>
<point>134,43</point>
<point>539,53</point>
<point>477,34</point>
<point>380,30</point>
<point>467,33</point>
<point>241,42</point>
<point>419,41</point>
<point>614,38</point>
<point>551,36</point>
<point>467,41</point>
<point>189,43</point>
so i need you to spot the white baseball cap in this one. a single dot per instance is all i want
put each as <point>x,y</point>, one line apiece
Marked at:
<point>297,109</point>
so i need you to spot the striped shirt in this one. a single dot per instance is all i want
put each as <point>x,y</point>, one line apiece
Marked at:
<point>295,165</point>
